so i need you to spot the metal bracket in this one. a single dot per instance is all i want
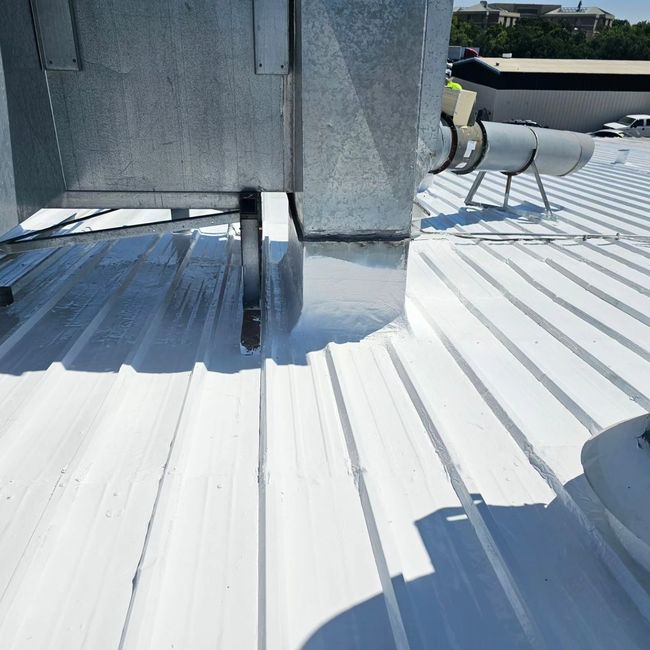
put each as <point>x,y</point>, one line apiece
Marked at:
<point>180,213</point>
<point>57,39</point>
<point>271,20</point>
<point>469,200</point>
<point>6,296</point>
<point>250,219</point>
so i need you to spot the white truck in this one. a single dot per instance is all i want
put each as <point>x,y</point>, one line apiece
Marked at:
<point>631,125</point>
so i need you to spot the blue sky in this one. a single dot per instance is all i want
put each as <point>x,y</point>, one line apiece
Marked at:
<point>632,10</point>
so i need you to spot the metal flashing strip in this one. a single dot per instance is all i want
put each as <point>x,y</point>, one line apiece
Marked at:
<point>152,199</point>
<point>120,232</point>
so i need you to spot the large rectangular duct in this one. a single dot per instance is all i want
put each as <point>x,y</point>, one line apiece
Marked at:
<point>140,103</point>
<point>168,98</point>
<point>370,81</point>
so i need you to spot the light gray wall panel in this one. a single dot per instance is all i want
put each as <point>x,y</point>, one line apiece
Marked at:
<point>168,100</point>
<point>575,110</point>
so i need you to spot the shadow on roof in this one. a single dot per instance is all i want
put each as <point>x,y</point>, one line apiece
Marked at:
<point>524,213</point>
<point>569,598</point>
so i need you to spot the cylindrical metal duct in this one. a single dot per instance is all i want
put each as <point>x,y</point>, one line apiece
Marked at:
<point>441,151</point>
<point>511,149</point>
<point>468,148</point>
<point>508,148</point>
<point>562,152</point>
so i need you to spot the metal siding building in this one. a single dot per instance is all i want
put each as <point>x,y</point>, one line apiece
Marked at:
<point>580,95</point>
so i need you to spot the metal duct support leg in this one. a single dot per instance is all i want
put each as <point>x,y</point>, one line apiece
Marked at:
<point>250,219</point>
<point>180,214</point>
<point>506,197</point>
<point>6,296</point>
<point>542,191</point>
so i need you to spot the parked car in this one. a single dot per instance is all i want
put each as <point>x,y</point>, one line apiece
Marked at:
<point>607,133</point>
<point>632,125</point>
<point>459,52</point>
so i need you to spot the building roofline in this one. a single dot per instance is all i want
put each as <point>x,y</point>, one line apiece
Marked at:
<point>537,74</point>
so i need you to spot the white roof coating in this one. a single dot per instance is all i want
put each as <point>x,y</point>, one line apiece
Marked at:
<point>419,488</point>
<point>562,66</point>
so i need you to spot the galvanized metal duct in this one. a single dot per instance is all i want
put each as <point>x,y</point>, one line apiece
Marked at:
<point>335,101</point>
<point>562,152</point>
<point>511,149</point>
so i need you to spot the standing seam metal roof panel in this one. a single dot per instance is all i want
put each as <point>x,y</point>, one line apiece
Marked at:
<point>418,488</point>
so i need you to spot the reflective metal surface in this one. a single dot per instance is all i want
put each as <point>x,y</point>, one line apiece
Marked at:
<point>371,85</point>
<point>30,170</point>
<point>168,100</point>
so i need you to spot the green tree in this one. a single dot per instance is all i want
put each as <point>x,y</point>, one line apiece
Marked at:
<point>462,32</point>
<point>546,39</point>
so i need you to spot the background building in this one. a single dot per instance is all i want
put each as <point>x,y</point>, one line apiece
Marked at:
<point>484,15</point>
<point>579,95</point>
<point>526,11</point>
<point>589,20</point>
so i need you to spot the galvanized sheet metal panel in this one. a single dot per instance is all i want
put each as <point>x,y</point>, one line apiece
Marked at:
<point>168,100</point>
<point>82,199</point>
<point>30,170</point>
<point>363,75</point>
<point>432,84</point>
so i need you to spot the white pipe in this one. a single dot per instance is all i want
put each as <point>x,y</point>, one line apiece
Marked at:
<point>511,148</point>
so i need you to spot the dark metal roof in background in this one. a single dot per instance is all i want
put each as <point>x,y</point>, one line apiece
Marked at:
<point>555,74</point>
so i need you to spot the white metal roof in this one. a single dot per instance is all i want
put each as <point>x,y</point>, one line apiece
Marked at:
<point>560,66</point>
<point>419,488</point>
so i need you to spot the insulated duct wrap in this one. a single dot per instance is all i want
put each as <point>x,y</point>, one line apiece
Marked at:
<point>511,149</point>
<point>562,152</point>
<point>508,148</point>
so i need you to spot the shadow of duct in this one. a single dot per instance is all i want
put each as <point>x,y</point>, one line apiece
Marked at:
<point>570,598</point>
<point>525,213</point>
